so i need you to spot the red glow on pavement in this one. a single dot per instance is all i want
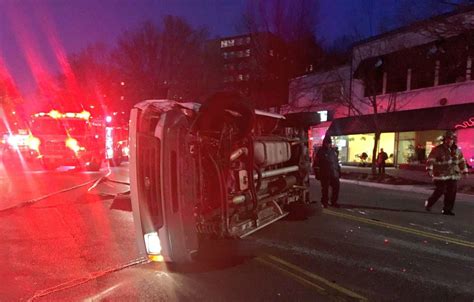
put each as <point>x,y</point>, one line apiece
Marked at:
<point>385,241</point>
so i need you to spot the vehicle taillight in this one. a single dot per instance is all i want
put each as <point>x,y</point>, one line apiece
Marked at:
<point>72,144</point>
<point>33,143</point>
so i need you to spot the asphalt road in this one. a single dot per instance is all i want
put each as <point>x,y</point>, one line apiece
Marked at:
<point>380,246</point>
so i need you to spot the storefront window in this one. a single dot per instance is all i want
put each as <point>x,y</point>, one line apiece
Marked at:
<point>406,147</point>
<point>357,148</point>
<point>360,148</point>
<point>341,143</point>
<point>414,147</point>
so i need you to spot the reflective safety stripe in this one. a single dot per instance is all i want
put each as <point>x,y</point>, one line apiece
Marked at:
<point>453,177</point>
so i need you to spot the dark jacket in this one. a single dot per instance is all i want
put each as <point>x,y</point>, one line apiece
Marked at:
<point>446,163</point>
<point>326,163</point>
<point>382,157</point>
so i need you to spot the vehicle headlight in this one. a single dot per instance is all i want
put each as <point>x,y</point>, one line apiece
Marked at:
<point>33,143</point>
<point>72,144</point>
<point>152,243</point>
<point>13,141</point>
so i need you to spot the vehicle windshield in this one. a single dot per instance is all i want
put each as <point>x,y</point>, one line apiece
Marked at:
<point>58,127</point>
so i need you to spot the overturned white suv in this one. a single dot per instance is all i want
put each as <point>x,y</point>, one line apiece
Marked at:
<point>216,170</point>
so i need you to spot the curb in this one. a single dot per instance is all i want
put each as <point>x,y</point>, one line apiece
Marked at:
<point>407,188</point>
<point>422,189</point>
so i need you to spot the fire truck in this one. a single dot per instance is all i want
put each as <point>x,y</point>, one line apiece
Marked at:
<point>218,170</point>
<point>75,139</point>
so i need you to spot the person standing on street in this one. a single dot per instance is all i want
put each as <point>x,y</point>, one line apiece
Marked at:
<point>327,170</point>
<point>445,165</point>
<point>381,158</point>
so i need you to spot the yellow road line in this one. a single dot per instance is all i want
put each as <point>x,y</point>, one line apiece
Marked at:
<point>401,228</point>
<point>313,276</point>
<point>293,275</point>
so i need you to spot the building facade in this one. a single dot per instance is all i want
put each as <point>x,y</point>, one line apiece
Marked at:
<point>325,94</point>
<point>410,85</point>
<point>255,66</point>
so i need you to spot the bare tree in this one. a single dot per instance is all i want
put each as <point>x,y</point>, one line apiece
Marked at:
<point>292,24</point>
<point>90,80</point>
<point>167,61</point>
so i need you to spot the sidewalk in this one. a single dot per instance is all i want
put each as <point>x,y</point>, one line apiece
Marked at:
<point>406,180</point>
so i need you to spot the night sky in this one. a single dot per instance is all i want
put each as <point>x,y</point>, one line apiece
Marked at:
<point>41,31</point>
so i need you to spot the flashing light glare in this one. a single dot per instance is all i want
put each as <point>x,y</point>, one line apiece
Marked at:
<point>84,115</point>
<point>69,114</point>
<point>72,144</point>
<point>17,140</point>
<point>33,143</point>
<point>152,243</point>
<point>108,118</point>
<point>126,151</point>
<point>55,114</point>
<point>110,154</point>
<point>12,140</point>
<point>109,143</point>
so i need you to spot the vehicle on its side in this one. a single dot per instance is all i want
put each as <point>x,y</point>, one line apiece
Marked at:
<point>218,170</point>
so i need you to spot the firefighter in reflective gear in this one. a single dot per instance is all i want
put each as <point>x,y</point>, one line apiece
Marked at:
<point>445,165</point>
<point>327,170</point>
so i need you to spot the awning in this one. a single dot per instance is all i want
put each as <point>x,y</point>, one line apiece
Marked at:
<point>437,118</point>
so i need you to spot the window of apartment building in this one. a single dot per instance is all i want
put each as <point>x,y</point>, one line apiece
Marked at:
<point>247,52</point>
<point>247,40</point>
<point>227,43</point>
<point>228,79</point>
<point>271,52</point>
<point>242,65</point>
<point>331,93</point>
<point>225,55</point>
